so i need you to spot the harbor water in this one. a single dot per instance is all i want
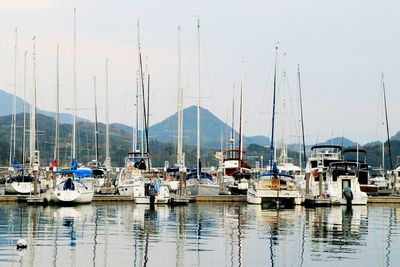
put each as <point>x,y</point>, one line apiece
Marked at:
<point>125,234</point>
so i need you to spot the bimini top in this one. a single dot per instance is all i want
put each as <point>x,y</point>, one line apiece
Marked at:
<point>78,173</point>
<point>326,146</point>
<point>352,150</point>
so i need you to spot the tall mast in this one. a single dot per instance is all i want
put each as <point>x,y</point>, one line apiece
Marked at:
<point>75,95</point>
<point>273,114</point>
<point>141,84</point>
<point>14,105</point>
<point>24,118</point>
<point>180,159</point>
<point>56,141</point>
<point>179,106</point>
<point>32,135</point>
<point>96,131</point>
<point>136,130</point>
<point>107,118</point>
<point>241,121</point>
<point>301,114</point>
<point>387,123</point>
<point>198,100</point>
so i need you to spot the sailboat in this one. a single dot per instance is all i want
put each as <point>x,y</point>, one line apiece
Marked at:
<point>98,177</point>
<point>197,181</point>
<point>285,164</point>
<point>132,180</point>
<point>174,173</point>
<point>274,187</point>
<point>20,181</point>
<point>383,181</point>
<point>71,189</point>
<point>236,171</point>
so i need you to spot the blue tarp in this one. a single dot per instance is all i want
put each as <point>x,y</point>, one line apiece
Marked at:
<point>79,173</point>
<point>17,165</point>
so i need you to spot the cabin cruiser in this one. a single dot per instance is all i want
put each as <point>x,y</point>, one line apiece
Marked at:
<point>314,187</point>
<point>342,177</point>
<point>331,179</point>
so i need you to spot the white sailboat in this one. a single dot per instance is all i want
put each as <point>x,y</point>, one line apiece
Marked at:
<point>132,180</point>
<point>198,182</point>
<point>71,190</point>
<point>274,187</point>
<point>21,182</point>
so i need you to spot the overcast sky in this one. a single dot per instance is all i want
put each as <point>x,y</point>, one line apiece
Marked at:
<point>341,46</point>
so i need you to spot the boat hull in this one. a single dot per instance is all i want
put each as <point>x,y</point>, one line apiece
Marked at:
<point>202,190</point>
<point>72,196</point>
<point>259,196</point>
<point>19,188</point>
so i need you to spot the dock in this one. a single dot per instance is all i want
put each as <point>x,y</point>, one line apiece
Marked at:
<point>395,199</point>
<point>117,198</point>
<point>219,198</point>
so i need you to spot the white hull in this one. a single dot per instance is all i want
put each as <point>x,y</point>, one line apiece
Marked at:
<point>19,188</point>
<point>126,190</point>
<point>140,196</point>
<point>258,196</point>
<point>72,196</point>
<point>202,189</point>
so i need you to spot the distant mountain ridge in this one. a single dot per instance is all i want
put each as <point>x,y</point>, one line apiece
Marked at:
<point>6,108</point>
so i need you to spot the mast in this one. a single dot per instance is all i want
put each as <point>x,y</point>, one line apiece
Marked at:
<point>241,121</point>
<point>387,123</point>
<point>273,114</point>
<point>14,105</point>
<point>32,135</point>
<point>136,131</point>
<point>96,131</point>
<point>56,141</point>
<point>301,115</point>
<point>75,96</point>
<point>179,154</point>
<point>108,159</point>
<point>198,101</point>
<point>141,83</point>
<point>233,123</point>
<point>24,118</point>
<point>147,114</point>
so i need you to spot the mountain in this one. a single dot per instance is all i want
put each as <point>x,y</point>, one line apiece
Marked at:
<point>396,136</point>
<point>339,141</point>
<point>6,108</point>
<point>211,129</point>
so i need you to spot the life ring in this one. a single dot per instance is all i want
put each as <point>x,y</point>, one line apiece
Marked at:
<point>315,173</point>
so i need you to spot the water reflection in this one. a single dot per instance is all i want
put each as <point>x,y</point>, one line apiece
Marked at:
<point>199,235</point>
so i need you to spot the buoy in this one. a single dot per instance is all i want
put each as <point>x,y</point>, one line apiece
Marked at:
<point>21,244</point>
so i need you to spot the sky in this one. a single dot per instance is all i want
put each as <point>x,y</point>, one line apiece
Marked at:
<point>342,47</point>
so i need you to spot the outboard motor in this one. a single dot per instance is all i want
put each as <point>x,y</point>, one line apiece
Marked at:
<point>348,195</point>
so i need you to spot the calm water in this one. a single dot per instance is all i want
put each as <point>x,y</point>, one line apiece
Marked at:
<point>199,235</point>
